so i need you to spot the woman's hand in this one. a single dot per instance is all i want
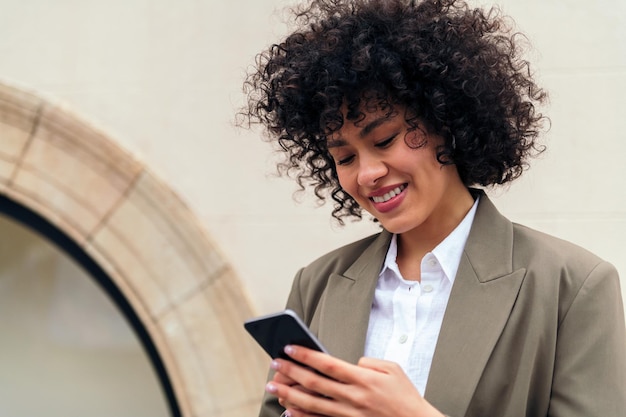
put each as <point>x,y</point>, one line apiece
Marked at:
<point>373,388</point>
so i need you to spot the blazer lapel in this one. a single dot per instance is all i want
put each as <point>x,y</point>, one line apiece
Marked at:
<point>345,308</point>
<point>482,297</point>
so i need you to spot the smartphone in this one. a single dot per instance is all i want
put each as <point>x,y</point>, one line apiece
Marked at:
<point>274,331</point>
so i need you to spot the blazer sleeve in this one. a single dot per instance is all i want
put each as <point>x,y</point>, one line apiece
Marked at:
<point>270,406</point>
<point>590,363</point>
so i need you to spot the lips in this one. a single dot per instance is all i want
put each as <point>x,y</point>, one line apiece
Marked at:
<point>388,195</point>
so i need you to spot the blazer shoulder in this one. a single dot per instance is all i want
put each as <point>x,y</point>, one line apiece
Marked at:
<point>497,245</point>
<point>529,242</point>
<point>558,266</point>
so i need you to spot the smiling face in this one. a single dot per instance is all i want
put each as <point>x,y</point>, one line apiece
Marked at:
<point>402,186</point>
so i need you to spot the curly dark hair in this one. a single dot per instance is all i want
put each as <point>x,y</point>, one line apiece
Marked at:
<point>454,68</point>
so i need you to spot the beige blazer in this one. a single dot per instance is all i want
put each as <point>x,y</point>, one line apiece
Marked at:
<point>534,325</point>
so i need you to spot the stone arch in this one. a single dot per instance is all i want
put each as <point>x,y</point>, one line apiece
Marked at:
<point>148,242</point>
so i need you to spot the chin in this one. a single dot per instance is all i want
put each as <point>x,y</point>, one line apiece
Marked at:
<point>394,227</point>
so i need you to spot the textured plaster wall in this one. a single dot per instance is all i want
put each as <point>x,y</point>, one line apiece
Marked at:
<point>163,78</point>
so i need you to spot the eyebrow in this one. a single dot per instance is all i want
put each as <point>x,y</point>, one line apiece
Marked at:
<point>373,125</point>
<point>367,129</point>
<point>335,143</point>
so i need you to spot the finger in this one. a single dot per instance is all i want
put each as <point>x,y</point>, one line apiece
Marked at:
<point>303,404</point>
<point>325,364</point>
<point>323,386</point>
<point>285,380</point>
<point>379,365</point>
<point>282,378</point>
<point>304,377</point>
<point>302,413</point>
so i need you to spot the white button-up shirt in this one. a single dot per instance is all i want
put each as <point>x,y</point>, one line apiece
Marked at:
<point>406,316</point>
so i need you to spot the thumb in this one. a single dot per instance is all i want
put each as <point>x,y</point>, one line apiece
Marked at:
<point>379,365</point>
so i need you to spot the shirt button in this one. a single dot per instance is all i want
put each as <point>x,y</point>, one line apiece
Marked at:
<point>402,339</point>
<point>427,288</point>
<point>432,263</point>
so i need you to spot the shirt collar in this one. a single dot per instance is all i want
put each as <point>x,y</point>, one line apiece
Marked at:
<point>390,259</point>
<point>448,252</point>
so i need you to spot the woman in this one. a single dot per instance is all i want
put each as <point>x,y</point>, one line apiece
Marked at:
<point>405,109</point>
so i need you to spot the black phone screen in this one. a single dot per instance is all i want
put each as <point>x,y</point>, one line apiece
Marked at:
<point>273,332</point>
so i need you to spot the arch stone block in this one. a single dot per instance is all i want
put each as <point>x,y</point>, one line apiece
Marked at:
<point>147,240</point>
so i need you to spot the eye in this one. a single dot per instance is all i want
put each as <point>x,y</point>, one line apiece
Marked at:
<point>385,142</point>
<point>346,160</point>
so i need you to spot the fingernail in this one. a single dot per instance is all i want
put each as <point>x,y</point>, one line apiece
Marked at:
<point>290,350</point>
<point>271,388</point>
<point>275,365</point>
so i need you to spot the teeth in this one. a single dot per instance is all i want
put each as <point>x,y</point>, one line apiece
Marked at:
<point>388,196</point>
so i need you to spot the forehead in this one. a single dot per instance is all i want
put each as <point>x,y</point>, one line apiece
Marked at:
<point>363,121</point>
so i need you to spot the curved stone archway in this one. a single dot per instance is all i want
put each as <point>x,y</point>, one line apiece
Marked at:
<point>150,244</point>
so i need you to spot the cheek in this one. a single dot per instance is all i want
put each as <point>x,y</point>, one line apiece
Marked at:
<point>343,181</point>
<point>347,182</point>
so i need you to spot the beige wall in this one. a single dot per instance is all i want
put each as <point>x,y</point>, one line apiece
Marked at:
<point>164,78</point>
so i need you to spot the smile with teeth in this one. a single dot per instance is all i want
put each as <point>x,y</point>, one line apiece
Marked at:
<point>388,196</point>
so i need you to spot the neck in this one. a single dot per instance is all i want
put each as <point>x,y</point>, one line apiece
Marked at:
<point>414,244</point>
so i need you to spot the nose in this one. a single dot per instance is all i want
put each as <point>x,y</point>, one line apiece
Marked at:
<point>371,169</point>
